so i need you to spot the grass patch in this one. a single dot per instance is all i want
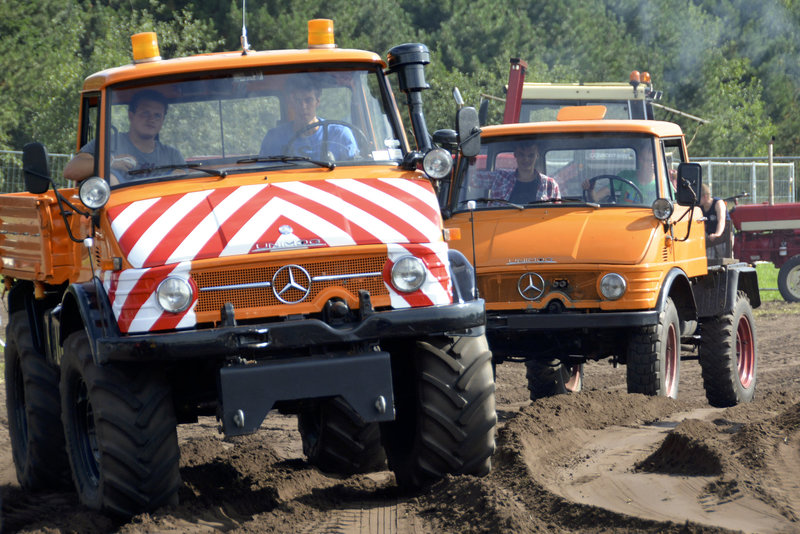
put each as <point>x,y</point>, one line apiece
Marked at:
<point>768,282</point>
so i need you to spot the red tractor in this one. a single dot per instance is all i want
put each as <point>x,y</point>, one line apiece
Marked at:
<point>767,232</point>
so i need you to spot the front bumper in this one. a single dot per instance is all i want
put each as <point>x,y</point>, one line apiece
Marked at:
<point>263,340</point>
<point>509,322</point>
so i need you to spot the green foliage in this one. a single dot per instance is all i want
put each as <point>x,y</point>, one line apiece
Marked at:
<point>730,61</point>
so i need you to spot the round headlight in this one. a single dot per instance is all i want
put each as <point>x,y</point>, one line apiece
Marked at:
<point>662,209</point>
<point>408,274</point>
<point>94,192</point>
<point>174,294</point>
<point>437,163</point>
<point>613,286</point>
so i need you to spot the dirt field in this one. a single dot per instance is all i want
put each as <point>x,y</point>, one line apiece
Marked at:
<point>599,461</point>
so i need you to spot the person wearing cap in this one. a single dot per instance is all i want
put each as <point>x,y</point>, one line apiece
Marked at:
<point>137,149</point>
<point>300,137</point>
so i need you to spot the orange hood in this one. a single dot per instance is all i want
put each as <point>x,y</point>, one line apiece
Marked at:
<point>560,235</point>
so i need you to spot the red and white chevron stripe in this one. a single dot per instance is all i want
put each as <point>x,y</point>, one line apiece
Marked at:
<point>235,220</point>
<point>162,236</point>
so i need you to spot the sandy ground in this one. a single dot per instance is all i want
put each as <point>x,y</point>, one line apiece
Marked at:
<point>598,461</point>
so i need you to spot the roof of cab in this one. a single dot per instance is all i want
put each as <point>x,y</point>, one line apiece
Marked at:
<point>227,60</point>
<point>655,128</point>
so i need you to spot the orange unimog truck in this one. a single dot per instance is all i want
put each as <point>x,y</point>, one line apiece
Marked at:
<point>315,280</point>
<point>615,268</point>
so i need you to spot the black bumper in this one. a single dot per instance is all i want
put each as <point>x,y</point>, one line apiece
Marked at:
<point>508,322</point>
<point>248,392</point>
<point>268,338</point>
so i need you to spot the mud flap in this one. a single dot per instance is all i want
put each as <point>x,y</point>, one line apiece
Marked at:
<point>248,392</point>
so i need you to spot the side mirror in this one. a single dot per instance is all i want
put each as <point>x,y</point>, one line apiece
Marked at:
<point>36,168</point>
<point>469,131</point>
<point>690,178</point>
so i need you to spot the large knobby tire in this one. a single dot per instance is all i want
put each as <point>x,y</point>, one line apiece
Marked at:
<point>654,356</point>
<point>120,429</point>
<point>446,418</point>
<point>728,355</point>
<point>789,279</point>
<point>337,441</point>
<point>547,378</point>
<point>34,411</point>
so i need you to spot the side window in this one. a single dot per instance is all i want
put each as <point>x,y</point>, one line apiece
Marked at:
<point>90,117</point>
<point>673,156</point>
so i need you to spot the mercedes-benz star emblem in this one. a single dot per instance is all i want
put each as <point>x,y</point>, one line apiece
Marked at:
<point>294,283</point>
<point>530,286</point>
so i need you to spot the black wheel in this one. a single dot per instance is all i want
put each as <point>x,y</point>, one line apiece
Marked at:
<point>361,139</point>
<point>446,415</point>
<point>789,279</point>
<point>337,441</point>
<point>612,195</point>
<point>654,358</point>
<point>120,429</point>
<point>34,411</point>
<point>728,355</point>
<point>547,378</point>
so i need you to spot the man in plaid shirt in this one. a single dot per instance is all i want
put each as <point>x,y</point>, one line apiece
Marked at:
<point>522,185</point>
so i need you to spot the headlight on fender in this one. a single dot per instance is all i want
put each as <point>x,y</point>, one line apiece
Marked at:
<point>613,286</point>
<point>437,163</point>
<point>174,294</point>
<point>662,209</point>
<point>94,192</point>
<point>408,274</point>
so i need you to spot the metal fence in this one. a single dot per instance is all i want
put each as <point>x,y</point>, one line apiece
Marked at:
<point>11,178</point>
<point>726,176</point>
<point>731,176</point>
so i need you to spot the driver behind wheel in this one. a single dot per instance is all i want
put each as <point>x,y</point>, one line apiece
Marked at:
<point>300,136</point>
<point>635,187</point>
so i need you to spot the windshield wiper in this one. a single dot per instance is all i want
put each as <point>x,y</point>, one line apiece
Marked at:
<point>286,159</point>
<point>192,166</point>
<point>576,200</point>
<point>500,200</point>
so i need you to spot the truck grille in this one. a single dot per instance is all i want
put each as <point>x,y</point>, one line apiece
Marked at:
<point>251,287</point>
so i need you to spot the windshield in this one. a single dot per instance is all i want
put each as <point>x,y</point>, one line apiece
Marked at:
<point>235,121</point>
<point>601,169</point>
<point>547,110</point>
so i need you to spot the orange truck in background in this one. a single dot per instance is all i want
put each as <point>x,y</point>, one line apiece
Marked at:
<point>609,263</point>
<point>236,279</point>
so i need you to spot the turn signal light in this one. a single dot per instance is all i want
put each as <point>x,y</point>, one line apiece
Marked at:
<point>320,33</point>
<point>451,234</point>
<point>145,47</point>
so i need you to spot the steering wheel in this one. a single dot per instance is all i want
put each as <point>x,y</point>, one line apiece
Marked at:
<point>638,197</point>
<point>361,139</point>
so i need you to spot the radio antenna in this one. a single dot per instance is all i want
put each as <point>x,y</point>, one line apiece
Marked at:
<point>245,44</point>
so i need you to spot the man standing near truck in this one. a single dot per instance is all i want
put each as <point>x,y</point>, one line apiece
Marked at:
<point>718,225</point>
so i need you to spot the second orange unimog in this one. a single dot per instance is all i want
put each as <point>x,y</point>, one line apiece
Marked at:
<point>602,255</point>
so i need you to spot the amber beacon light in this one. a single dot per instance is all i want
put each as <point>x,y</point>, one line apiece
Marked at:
<point>320,33</point>
<point>145,47</point>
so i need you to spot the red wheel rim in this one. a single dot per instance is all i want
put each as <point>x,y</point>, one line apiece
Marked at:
<point>671,355</point>
<point>745,352</point>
